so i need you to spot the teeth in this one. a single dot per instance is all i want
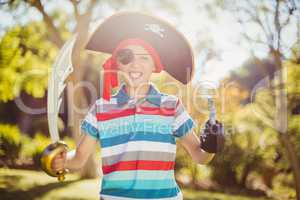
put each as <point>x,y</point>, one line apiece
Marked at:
<point>135,75</point>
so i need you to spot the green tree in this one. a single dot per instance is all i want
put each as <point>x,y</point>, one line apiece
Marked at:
<point>25,57</point>
<point>271,20</point>
<point>58,32</point>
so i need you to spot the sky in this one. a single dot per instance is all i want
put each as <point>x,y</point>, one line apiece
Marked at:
<point>221,29</point>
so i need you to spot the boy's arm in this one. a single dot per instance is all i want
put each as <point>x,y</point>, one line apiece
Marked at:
<point>85,147</point>
<point>191,143</point>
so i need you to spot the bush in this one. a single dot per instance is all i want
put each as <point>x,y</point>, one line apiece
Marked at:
<point>20,150</point>
<point>33,147</point>
<point>10,144</point>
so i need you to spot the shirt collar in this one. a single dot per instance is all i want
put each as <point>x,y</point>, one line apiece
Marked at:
<point>153,95</point>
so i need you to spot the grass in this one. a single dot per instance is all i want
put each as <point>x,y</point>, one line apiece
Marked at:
<point>205,195</point>
<point>35,185</point>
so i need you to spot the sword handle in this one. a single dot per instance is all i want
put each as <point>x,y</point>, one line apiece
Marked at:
<point>50,152</point>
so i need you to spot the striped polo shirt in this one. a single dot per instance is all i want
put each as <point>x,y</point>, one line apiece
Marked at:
<point>138,144</point>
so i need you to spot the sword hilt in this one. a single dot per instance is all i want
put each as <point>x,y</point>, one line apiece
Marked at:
<point>50,152</point>
<point>61,175</point>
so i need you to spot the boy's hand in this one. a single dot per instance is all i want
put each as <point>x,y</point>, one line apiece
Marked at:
<point>59,161</point>
<point>212,137</point>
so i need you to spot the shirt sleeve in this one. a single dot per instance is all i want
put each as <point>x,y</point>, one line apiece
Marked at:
<point>89,123</point>
<point>183,122</point>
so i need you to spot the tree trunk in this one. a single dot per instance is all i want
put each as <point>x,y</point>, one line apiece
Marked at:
<point>245,174</point>
<point>54,32</point>
<point>282,126</point>
<point>80,100</point>
<point>294,160</point>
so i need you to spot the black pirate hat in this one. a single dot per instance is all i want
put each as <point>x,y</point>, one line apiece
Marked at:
<point>174,50</point>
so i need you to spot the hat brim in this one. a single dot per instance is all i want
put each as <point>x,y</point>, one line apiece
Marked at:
<point>174,50</point>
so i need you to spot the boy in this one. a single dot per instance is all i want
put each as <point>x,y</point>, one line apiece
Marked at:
<point>138,126</point>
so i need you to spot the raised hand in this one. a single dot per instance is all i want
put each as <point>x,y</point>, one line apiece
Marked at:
<point>212,137</point>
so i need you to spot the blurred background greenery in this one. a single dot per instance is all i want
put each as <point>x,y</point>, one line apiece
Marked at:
<point>249,50</point>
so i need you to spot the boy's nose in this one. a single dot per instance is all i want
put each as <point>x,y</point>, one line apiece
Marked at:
<point>134,63</point>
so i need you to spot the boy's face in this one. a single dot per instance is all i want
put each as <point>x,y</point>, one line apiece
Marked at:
<point>138,71</point>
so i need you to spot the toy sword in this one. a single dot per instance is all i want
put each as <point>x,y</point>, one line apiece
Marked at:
<point>62,68</point>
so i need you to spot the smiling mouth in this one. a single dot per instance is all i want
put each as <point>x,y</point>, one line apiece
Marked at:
<point>135,75</point>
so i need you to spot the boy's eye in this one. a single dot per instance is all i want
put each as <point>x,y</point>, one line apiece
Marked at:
<point>125,56</point>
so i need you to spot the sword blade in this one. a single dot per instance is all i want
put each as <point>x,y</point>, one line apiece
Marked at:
<point>62,67</point>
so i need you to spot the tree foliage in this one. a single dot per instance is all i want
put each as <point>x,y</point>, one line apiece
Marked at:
<point>25,59</point>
